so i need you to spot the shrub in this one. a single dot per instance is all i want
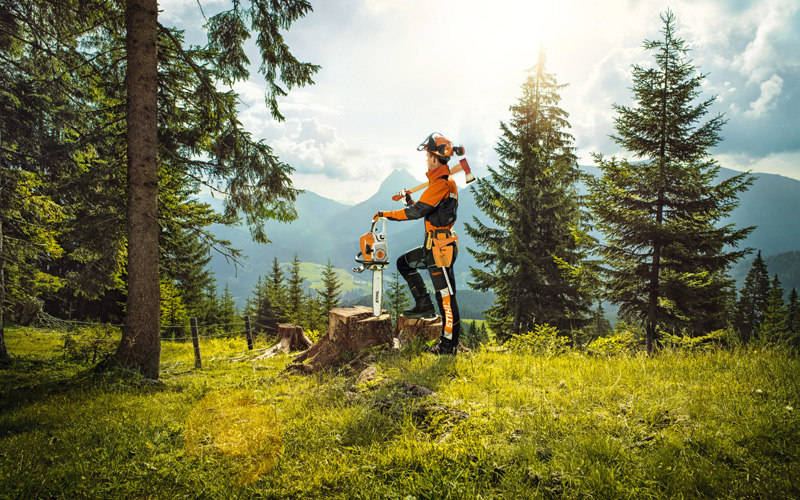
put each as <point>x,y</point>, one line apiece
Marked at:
<point>314,335</point>
<point>624,339</point>
<point>714,339</point>
<point>91,344</point>
<point>544,339</point>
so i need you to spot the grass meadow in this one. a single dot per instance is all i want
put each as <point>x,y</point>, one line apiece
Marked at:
<point>710,423</point>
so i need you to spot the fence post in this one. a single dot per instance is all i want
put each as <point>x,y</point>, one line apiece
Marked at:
<point>249,333</point>
<point>198,363</point>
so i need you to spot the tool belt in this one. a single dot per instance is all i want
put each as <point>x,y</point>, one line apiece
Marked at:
<point>443,244</point>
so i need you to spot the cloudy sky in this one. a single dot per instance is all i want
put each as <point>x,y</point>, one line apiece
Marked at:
<point>394,71</point>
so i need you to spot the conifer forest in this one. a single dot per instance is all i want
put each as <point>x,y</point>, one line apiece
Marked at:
<point>119,347</point>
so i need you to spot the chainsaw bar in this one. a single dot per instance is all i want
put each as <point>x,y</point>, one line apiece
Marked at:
<point>374,256</point>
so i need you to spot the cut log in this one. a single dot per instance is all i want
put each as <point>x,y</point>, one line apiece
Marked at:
<point>291,338</point>
<point>424,329</point>
<point>351,331</point>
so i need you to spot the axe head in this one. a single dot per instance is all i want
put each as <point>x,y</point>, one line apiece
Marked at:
<point>467,170</point>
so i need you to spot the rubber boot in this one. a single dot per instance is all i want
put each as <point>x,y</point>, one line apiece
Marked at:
<point>423,305</point>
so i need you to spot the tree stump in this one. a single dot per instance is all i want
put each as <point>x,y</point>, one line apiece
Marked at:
<point>425,329</point>
<point>292,338</point>
<point>351,331</point>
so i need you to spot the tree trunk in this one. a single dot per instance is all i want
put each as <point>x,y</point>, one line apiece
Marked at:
<point>351,331</point>
<point>140,348</point>
<point>3,351</point>
<point>425,329</point>
<point>652,306</point>
<point>292,338</point>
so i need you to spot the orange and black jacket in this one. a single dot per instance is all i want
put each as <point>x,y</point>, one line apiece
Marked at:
<point>438,203</point>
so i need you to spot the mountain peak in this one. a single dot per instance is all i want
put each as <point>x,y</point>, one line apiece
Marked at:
<point>397,180</point>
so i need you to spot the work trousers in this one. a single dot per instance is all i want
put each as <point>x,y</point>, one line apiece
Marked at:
<point>444,283</point>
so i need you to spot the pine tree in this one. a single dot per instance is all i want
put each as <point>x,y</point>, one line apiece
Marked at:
<point>331,289</point>
<point>532,204</point>
<point>276,290</point>
<point>177,120</point>
<point>210,312</point>
<point>295,292</point>
<point>793,319</point>
<point>185,245</point>
<point>312,311</point>
<point>793,313</point>
<point>29,221</point>
<point>774,328</point>
<point>483,334</point>
<point>228,312</point>
<point>259,308</point>
<point>471,337</point>
<point>602,326</point>
<point>174,316</point>
<point>753,299</point>
<point>665,257</point>
<point>397,299</point>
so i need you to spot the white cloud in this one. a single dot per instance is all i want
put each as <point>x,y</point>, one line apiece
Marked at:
<point>770,90</point>
<point>770,21</point>
<point>311,147</point>
<point>786,164</point>
<point>392,72</point>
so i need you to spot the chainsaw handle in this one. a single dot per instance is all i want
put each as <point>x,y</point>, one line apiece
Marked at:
<point>375,224</point>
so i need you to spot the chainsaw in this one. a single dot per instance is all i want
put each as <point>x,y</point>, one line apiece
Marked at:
<point>374,255</point>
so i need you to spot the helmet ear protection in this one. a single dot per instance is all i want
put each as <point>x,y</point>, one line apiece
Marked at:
<point>437,144</point>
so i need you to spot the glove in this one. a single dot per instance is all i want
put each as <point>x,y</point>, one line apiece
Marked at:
<point>377,216</point>
<point>405,195</point>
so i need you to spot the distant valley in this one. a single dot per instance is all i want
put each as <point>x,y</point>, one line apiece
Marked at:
<point>329,229</point>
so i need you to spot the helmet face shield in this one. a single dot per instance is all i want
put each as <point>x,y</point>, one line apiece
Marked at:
<point>439,145</point>
<point>429,144</point>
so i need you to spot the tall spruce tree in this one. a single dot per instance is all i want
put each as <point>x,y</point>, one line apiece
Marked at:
<point>259,307</point>
<point>174,316</point>
<point>295,293</point>
<point>312,311</point>
<point>82,44</point>
<point>752,302</point>
<point>397,299</point>
<point>793,314</point>
<point>793,319</point>
<point>228,312</point>
<point>774,328</point>
<point>329,296</point>
<point>665,257</point>
<point>276,289</point>
<point>211,310</point>
<point>39,122</point>
<point>533,208</point>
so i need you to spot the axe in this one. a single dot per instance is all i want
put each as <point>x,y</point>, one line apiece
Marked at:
<point>462,166</point>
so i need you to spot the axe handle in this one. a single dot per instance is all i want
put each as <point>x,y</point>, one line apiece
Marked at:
<point>458,168</point>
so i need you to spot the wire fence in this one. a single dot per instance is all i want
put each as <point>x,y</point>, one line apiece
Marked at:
<point>51,338</point>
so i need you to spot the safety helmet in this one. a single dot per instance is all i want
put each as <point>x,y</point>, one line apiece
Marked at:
<point>439,145</point>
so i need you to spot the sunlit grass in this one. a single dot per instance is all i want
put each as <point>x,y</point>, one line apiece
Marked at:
<point>715,424</point>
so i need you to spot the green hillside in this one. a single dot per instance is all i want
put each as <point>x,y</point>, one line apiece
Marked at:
<point>786,265</point>
<point>312,274</point>
<point>708,424</point>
